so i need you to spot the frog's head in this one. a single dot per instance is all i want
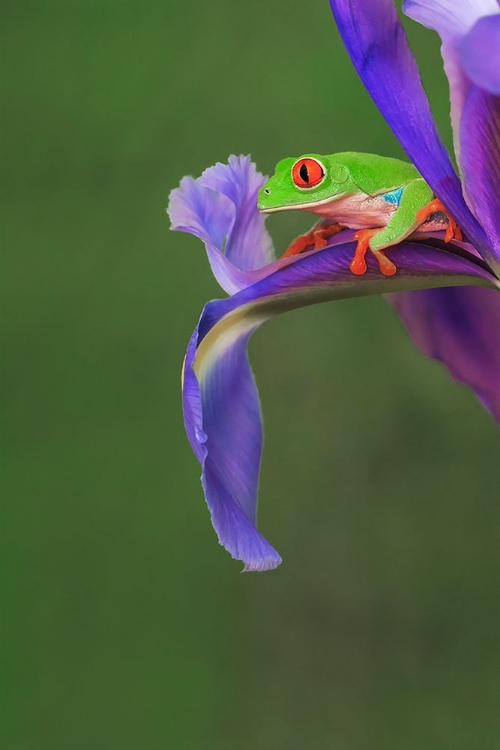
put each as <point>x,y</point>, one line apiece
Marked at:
<point>304,182</point>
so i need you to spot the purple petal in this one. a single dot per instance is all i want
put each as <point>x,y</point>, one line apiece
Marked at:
<point>220,208</point>
<point>377,44</point>
<point>249,245</point>
<point>480,148</point>
<point>452,19</point>
<point>470,33</point>
<point>221,406</point>
<point>479,53</point>
<point>224,426</point>
<point>459,327</point>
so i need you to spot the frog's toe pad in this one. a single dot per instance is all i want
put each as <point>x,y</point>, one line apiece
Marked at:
<point>358,266</point>
<point>386,266</point>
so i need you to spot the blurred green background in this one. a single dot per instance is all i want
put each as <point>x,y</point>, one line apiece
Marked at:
<point>123,623</point>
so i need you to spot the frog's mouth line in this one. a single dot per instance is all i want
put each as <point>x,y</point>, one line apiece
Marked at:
<point>302,206</point>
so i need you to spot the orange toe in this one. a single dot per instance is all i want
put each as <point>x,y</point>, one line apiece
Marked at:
<point>358,266</point>
<point>298,246</point>
<point>315,239</point>
<point>386,266</point>
<point>358,263</point>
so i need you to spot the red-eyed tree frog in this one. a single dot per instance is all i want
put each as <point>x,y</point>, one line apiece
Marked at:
<point>385,199</point>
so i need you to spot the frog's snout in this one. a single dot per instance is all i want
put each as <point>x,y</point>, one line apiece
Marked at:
<point>262,203</point>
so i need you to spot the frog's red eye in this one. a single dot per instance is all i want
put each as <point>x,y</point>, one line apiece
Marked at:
<point>307,173</point>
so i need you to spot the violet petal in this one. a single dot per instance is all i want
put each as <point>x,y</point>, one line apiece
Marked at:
<point>479,53</point>
<point>480,151</point>
<point>248,245</point>
<point>459,327</point>
<point>452,19</point>
<point>224,427</point>
<point>469,33</point>
<point>220,208</point>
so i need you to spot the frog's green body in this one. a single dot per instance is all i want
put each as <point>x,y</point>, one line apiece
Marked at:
<point>386,197</point>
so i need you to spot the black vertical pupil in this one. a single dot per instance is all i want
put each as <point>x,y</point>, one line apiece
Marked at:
<point>304,173</point>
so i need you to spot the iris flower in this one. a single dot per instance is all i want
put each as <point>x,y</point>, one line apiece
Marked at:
<point>446,293</point>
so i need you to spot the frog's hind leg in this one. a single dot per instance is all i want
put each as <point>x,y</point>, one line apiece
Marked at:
<point>453,231</point>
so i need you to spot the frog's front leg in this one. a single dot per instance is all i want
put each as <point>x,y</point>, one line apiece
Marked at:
<point>405,219</point>
<point>358,263</point>
<point>315,239</point>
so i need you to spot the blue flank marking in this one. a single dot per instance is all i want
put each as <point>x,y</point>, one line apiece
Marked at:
<point>393,197</point>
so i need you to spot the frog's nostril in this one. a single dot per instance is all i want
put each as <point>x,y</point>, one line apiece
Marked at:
<point>267,191</point>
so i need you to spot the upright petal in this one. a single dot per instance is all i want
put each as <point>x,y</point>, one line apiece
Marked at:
<point>480,147</point>
<point>452,19</point>
<point>459,327</point>
<point>221,406</point>
<point>479,53</point>
<point>470,35</point>
<point>377,44</point>
<point>220,208</point>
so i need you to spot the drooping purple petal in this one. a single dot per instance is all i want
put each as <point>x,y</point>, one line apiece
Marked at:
<point>220,208</point>
<point>480,149</point>
<point>220,400</point>
<point>377,45</point>
<point>459,327</point>
<point>224,427</point>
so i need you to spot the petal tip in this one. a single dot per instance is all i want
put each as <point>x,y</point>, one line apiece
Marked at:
<point>261,567</point>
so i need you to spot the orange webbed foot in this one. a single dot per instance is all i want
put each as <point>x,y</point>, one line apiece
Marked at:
<point>299,245</point>
<point>315,239</point>
<point>453,231</point>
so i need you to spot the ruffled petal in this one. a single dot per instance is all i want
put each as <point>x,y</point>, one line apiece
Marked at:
<point>377,45</point>
<point>459,327</point>
<point>220,208</point>
<point>221,406</point>
<point>248,245</point>
<point>480,148</point>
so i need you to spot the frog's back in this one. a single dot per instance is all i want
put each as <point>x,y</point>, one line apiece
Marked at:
<point>375,174</point>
